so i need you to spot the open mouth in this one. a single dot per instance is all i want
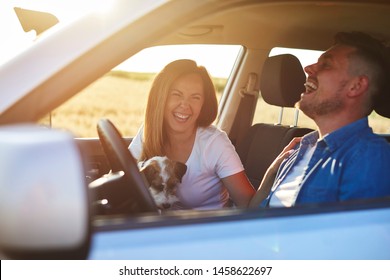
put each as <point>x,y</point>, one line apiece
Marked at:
<point>181,117</point>
<point>310,87</point>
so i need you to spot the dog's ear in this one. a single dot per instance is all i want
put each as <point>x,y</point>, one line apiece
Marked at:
<point>150,172</point>
<point>180,169</point>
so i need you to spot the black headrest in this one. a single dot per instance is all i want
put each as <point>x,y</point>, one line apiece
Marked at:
<point>282,80</point>
<point>382,106</point>
<point>382,102</point>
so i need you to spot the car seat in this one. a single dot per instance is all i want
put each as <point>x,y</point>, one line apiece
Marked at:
<point>282,82</point>
<point>382,104</point>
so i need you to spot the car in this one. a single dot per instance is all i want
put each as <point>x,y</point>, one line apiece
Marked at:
<point>57,197</point>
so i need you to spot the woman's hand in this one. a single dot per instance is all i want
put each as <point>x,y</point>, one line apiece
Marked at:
<point>273,168</point>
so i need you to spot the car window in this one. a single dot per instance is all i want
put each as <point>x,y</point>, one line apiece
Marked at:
<point>121,94</point>
<point>266,113</point>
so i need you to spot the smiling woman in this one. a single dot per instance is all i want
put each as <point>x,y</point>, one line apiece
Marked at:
<point>182,105</point>
<point>113,95</point>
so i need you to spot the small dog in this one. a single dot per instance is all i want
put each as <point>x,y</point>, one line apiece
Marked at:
<point>163,175</point>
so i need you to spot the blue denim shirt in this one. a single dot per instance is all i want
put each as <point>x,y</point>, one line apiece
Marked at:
<point>349,163</point>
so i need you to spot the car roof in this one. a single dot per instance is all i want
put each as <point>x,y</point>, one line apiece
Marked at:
<point>292,24</point>
<point>86,46</point>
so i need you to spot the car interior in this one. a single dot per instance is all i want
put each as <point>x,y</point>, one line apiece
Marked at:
<point>278,79</point>
<point>107,203</point>
<point>282,82</point>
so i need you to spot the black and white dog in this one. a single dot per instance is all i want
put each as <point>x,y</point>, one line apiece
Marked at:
<point>163,176</point>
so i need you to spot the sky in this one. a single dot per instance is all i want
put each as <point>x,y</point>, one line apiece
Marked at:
<point>218,60</point>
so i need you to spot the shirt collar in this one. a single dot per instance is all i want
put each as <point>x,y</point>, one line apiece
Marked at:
<point>310,138</point>
<point>337,138</point>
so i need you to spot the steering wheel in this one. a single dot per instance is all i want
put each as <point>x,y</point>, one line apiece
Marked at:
<point>121,159</point>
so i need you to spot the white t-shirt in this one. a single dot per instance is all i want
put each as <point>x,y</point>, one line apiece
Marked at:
<point>213,157</point>
<point>287,192</point>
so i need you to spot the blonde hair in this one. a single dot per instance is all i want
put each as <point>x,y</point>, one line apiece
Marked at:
<point>153,134</point>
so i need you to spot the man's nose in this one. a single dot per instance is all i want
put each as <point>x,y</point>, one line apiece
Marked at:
<point>310,69</point>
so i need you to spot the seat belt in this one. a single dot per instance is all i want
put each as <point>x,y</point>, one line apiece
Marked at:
<point>246,109</point>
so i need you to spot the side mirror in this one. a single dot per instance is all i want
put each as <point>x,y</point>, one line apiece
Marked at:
<point>44,204</point>
<point>35,20</point>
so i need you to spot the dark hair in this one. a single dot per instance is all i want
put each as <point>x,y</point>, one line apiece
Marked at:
<point>375,56</point>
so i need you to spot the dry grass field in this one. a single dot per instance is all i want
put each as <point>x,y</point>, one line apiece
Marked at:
<point>120,99</point>
<point>122,96</point>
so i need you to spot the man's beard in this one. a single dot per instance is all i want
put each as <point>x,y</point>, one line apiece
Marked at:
<point>314,108</point>
<point>322,108</point>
